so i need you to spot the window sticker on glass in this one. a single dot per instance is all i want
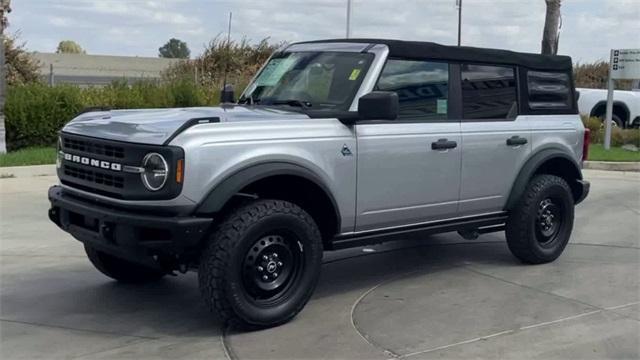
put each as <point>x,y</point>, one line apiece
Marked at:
<point>354,74</point>
<point>441,106</point>
<point>274,70</point>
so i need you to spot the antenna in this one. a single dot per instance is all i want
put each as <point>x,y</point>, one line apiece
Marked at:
<point>226,65</point>
<point>348,19</point>
<point>459,6</point>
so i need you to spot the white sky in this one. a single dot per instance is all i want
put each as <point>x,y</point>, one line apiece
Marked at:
<point>140,27</point>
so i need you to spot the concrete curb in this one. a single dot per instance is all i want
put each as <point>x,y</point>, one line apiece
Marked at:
<point>27,171</point>
<point>612,166</point>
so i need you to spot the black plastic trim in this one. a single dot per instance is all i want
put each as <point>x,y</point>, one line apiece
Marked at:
<point>531,166</point>
<point>92,109</point>
<point>399,233</point>
<point>225,190</point>
<point>585,186</point>
<point>132,187</point>
<point>189,123</point>
<point>120,232</point>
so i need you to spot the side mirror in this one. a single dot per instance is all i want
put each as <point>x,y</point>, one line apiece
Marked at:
<point>227,95</point>
<point>379,105</point>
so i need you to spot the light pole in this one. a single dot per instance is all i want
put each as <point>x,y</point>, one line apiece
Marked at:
<point>348,19</point>
<point>459,5</point>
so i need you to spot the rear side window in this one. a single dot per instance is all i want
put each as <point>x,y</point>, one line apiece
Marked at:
<point>548,90</point>
<point>422,87</point>
<point>488,92</point>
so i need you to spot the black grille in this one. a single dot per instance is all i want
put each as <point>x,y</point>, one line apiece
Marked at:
<point>94,176</point>
<point>78,173</point>
<point>87,146</point>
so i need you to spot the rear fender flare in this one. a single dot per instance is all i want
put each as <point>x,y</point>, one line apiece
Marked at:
<point>532,165</point>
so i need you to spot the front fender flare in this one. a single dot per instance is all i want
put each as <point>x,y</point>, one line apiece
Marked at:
<point>221,193</point>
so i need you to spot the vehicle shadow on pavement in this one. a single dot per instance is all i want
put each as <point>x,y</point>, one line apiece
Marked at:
<point>72,294</point>
<point>407,258</point>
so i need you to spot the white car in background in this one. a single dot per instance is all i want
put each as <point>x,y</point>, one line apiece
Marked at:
<point>626,105</point>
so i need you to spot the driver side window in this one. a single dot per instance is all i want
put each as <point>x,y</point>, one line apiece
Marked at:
<point>422,87</point>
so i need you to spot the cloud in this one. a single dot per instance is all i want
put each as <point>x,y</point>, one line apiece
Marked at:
<point>139,27</point>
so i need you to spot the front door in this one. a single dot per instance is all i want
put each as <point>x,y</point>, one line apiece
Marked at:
<point>409,169</point>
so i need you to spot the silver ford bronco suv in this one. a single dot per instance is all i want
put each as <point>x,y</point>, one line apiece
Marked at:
<point>333,144</point>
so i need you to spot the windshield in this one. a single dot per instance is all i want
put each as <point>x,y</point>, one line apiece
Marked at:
<point>309,79</point>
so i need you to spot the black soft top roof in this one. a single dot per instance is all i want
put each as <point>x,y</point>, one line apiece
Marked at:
<point>421,49</point>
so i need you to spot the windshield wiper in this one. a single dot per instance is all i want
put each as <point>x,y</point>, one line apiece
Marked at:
<point>292,102</point>
<point>249,100</point>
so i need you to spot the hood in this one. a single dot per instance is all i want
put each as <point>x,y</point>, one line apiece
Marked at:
<point>156,126</point>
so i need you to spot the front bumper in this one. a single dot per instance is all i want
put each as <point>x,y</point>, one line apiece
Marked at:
<point>584,187</point>
<point>136,236</point>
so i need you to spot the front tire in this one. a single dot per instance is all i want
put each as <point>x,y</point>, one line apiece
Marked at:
<point>262,264</point>
<point>121,270</point>
<point>539,227</point>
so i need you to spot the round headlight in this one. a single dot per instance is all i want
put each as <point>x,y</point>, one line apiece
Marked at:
<point>156,171</point>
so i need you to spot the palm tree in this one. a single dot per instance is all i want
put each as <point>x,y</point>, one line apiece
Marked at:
<point>5,8</point>
<point>550,32</point>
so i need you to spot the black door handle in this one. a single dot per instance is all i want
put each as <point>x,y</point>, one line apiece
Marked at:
<point>443,144</point>
<point>516,141</point>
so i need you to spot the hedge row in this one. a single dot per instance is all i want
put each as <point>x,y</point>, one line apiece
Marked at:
<point>34,113</point>
<point>619,136</point>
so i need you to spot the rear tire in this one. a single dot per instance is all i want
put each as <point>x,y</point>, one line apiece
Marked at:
<point>121,270</point>
<point>261,265</point>
<point>539,227</point>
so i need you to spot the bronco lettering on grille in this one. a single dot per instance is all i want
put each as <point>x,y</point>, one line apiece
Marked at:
<point>93,162</point>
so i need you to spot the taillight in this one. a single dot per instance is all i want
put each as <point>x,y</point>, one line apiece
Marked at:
<point>585,144</point>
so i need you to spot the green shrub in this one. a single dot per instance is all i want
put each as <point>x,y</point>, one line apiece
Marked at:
<point>36,112</point>
<point>619,136</point>
<point>632,136</point>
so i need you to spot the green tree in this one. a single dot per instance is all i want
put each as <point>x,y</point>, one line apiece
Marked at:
<point>5,8</point>
<point>21,67</point>
<point>174,49</point>
<point>69,47</point>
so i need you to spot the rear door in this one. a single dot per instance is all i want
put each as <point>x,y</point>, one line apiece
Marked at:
<point>409,168</point>
<point>495,140</point>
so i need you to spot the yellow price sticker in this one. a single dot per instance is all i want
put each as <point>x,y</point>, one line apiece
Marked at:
<point>354,74</point>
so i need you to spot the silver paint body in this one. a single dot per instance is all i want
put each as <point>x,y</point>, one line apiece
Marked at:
<point>393,178</point>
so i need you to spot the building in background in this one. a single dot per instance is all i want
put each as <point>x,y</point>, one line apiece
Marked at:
<point>99,70</point>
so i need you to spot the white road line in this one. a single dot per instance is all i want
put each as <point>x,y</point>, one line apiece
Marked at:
<point>353,308</point>
<point>560,320</point>
<point>622,306</point>
<point>458,343</point>
<point>506,332</point>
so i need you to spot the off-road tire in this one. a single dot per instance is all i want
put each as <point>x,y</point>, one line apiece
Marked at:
<point>223,270</point>
<point>121,270</point>
<point>523,238</point>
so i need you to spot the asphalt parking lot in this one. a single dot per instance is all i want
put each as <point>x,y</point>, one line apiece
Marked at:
<point>442,297</point>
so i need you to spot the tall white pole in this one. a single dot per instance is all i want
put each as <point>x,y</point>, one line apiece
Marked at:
<point>609,114</point>
<point>348,19</point>
<point>459,5</point>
